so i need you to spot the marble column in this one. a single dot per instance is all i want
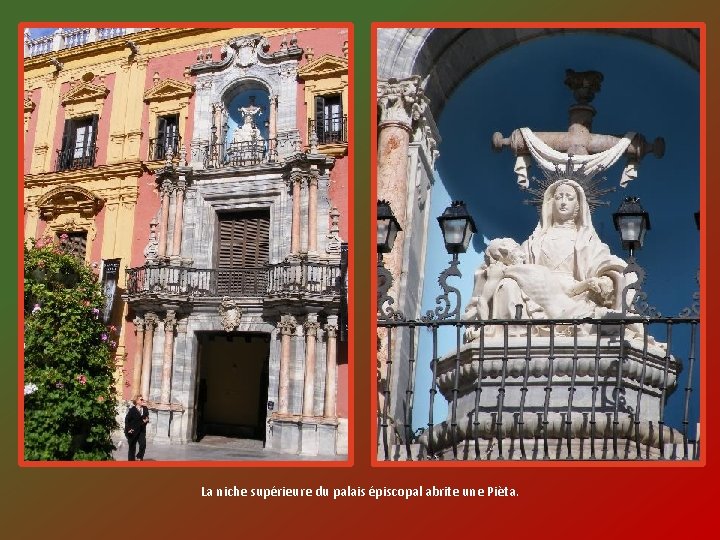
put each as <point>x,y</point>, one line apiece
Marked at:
<point>177,230</point>
<point>164,215</point>
<point>312,213</point>
<point>311,327</point>
<point>287,327</point>
<point>401,102</point>
<point>170,322</point>
<point>295,180</point>
<point>331,331</point>
<point>138,362</point>
<point>150,322</point>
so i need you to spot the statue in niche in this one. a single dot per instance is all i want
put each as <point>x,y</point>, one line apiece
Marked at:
<point>247,142</point>
<point>562,271</point>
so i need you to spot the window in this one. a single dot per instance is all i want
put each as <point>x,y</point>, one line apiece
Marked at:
<point>78,143</point>
<point>168,138</point>
<point>330,124</point>
<point>75,243</point>
<point>243,253</point>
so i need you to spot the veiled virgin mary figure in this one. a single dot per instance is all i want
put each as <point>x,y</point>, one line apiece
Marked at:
<point>562,270</point>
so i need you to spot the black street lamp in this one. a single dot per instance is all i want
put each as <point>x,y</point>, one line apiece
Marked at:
<point>387,227</point>
<point>457,227</point>
<point>632,221</point>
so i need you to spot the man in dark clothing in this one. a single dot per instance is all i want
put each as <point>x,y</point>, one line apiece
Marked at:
<point>136,420</point>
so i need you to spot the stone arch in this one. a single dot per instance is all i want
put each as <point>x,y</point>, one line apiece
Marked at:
<point>443,57</point>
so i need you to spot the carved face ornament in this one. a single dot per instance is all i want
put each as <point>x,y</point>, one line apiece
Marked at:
<point>566,203</point>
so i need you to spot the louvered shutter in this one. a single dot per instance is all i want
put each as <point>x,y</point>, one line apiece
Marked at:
<point>320,119</point>
<point>160,141</point>
<point>68,145</point>
<point>243,253</point>
<point>92,140</point>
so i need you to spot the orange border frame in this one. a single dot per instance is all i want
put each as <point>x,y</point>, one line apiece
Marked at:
<point>374,462</point>
<point>351,257</point>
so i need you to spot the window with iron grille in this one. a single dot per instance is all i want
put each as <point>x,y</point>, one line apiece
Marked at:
<point>243,253</point>
<point>330,124</point>
<point>75,243</point>
<point>168,137</point>
<point>78,143</point>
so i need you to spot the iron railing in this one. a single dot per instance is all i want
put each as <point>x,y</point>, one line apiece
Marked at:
<point>303,277</point>
<point>240,154</point>
<point>333,129</point>
<point>67,159</point>
<point>545,389</point>
<point>290,279</point>
<point>159,148</point>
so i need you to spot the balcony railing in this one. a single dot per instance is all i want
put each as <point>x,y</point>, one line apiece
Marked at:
<point>294,278</point>
<point>542,389</point>
<point>240,154</point>
<point>282,279</point>
<point>72,37</point>
<point>71,158</point>
<point>159,148</point>
<point>331,130</point>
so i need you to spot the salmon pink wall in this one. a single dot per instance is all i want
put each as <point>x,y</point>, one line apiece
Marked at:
<point>171,66</point>
<point>146,208</point>
<point>35,96</point>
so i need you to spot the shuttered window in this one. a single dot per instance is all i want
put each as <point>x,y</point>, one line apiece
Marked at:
<point>167,136</point>
<point>329,120</point>
<point>243,253</point>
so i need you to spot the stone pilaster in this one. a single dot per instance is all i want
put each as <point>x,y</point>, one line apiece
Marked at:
<point>311,327</point>
<point>287,327</point>
<point>179,204</point>
<point>166,188</point>
<point>295,180</point>
<point>330,405</point>
<point>150,322</point>
<point>170,322</point>
<point>138,362</point>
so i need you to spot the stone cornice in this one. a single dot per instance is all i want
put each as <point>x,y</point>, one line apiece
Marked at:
<point>79,176</point>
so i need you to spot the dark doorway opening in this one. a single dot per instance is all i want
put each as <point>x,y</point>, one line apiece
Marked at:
<point>232,384</point>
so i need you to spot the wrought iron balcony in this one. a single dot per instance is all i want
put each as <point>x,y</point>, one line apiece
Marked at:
<point>159,148</point>
<point>303,277</point>
<point>331,130</point>
<point>285,279</point>
<point>70,158</point>
<point>544,389</point>
<point>240,154</point>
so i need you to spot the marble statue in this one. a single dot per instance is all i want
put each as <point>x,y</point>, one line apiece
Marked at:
<point>562,271</point>
<point>248,130</point>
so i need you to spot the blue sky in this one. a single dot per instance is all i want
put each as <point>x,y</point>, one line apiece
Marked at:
<point>645,89</point>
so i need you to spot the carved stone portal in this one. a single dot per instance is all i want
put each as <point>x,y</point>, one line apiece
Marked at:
<point>230,314</point>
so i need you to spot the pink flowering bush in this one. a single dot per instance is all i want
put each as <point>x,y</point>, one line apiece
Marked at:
<point>70,413</point>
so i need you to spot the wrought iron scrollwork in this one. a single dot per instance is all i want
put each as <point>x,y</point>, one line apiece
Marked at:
<point>384,301</point>
<point>443,310</point>
<point>639,304</point>
<point>694,309</point>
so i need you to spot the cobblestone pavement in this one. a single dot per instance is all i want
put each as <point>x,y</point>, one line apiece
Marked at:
<point>213,448</point>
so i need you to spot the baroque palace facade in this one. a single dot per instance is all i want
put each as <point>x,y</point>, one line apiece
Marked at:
<point>205,172</point>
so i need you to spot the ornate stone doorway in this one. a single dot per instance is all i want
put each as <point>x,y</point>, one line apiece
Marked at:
<point>232,385</point>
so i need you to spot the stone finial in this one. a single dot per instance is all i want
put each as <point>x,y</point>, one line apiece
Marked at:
<point>313,141</point>
<point>309,54</point>
<point>284,44</point>
<point>156,77</point>
<point>345,49</point>
<point>151,249</point>
<point>293,41</point>
<point>334,242</point>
